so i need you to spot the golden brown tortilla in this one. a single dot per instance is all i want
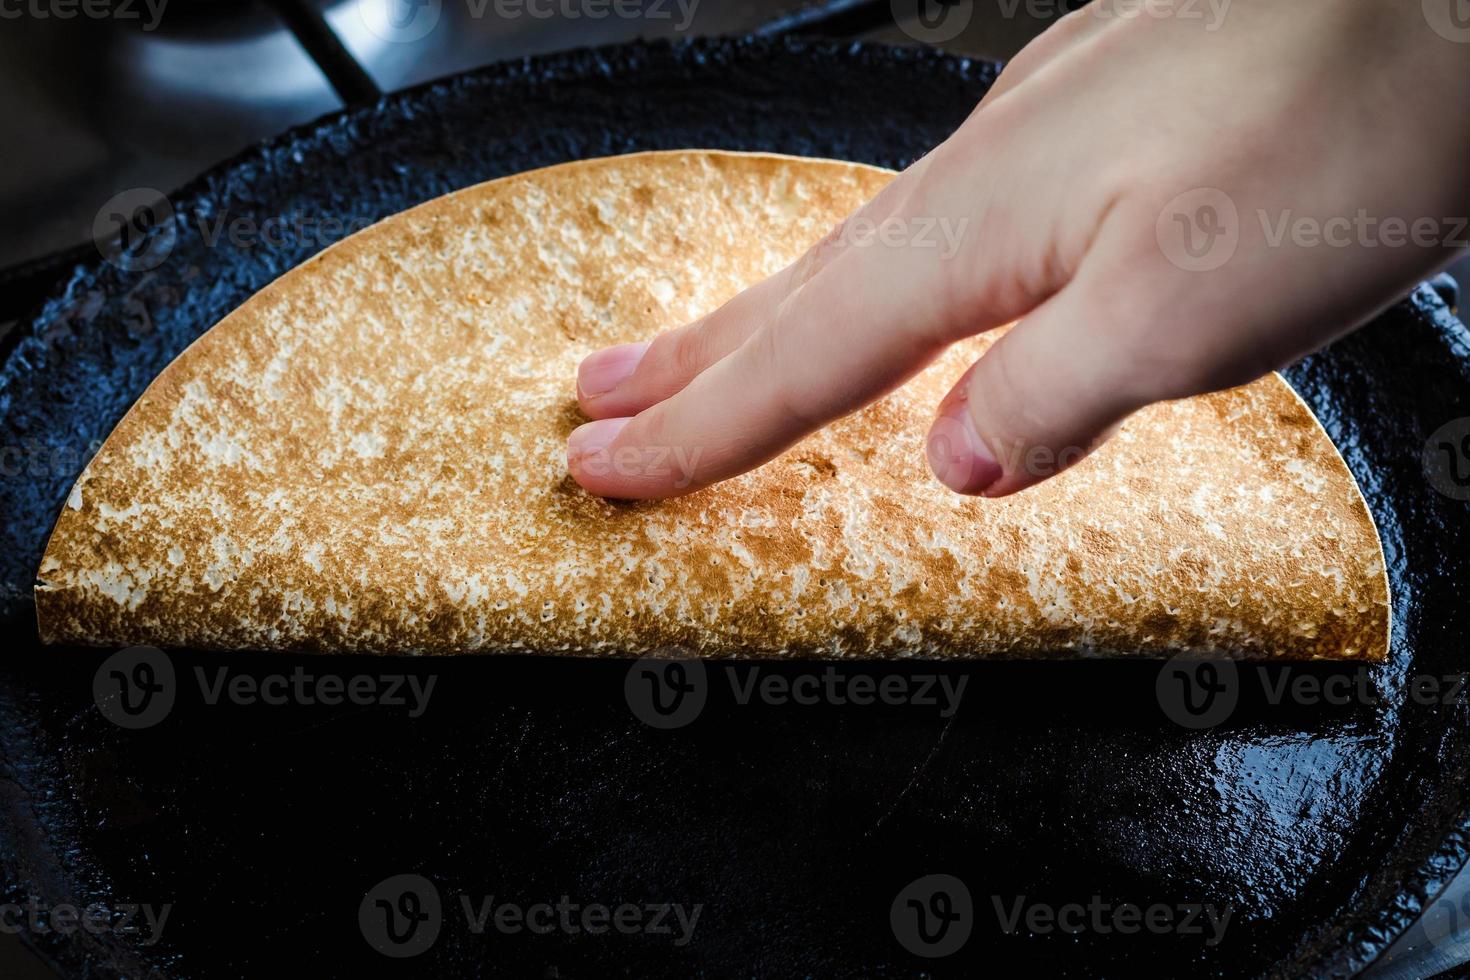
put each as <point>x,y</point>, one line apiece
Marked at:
<point>368,456</point>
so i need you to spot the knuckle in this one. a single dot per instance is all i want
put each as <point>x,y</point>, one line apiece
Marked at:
<point>814,259</point>
<point>688,354</point>
<point>1158,355</point>
<point>649,428</point>
<point>786,397</point>
<point>678,354</point>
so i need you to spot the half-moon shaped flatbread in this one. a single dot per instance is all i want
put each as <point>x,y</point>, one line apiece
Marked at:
<point>368,456</point>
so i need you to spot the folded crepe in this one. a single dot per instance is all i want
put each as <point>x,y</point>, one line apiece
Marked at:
<point>368,456</point>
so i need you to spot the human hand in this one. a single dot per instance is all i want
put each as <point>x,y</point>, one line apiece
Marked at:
<point>1085,181</point>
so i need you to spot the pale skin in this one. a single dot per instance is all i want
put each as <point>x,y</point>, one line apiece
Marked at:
<point>1341,116</point>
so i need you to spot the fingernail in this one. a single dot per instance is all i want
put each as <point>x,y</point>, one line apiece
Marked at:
<point>957,454</point>
<point>592,439</point>
<point>602,371</point>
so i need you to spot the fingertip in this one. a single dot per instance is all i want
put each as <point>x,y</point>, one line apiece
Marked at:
<point>957,454</point>
<point>589,458</point>
<point>602,372</point>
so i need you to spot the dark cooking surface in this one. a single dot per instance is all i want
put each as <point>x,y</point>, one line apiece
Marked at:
<point>91,106</point>
<point>794,826</point>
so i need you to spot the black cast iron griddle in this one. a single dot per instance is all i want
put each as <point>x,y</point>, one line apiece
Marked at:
<point>1322,828</point>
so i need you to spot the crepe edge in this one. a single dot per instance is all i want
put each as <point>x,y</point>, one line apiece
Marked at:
<point>1379,647</point>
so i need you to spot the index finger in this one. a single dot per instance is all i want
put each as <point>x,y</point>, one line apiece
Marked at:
<point>863,323</point>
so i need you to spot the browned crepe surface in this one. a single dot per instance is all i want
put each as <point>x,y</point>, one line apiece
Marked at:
<point>369,456</point>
